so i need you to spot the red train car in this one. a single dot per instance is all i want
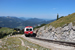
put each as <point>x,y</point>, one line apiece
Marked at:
<point>28,31</point>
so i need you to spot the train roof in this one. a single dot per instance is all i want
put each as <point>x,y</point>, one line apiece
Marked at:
<point>28,27</point>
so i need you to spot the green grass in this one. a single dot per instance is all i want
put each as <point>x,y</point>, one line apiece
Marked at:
<point>32,45</point>
<point>65,20</point>
<point>20,27</point>
<point>13,43</point>
<point>5,29</point>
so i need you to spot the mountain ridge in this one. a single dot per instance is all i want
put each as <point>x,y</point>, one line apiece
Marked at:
<point>62,29</point>
<point>14,22</point>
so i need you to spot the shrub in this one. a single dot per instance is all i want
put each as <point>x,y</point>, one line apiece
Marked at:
<point>39,26</point>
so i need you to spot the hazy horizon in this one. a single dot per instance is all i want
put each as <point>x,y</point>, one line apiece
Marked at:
<point>28,17</point>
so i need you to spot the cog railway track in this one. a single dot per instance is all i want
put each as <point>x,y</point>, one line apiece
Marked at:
<point>56,42</point>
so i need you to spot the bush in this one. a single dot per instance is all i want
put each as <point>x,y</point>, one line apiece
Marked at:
<point>61,16</point>
<point>39,26</point>
<point>0,27</point>
<point>2,34</point>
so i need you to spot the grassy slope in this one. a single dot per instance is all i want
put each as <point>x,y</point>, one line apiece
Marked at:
<point>65,20</point>
<point>6,30</point>
<point>32,45</point>
<point>14,43</point>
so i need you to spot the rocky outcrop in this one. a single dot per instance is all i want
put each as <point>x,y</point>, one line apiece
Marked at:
<point>65,33</point>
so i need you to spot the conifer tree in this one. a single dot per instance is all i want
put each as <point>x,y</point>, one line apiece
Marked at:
<point>57,16</point>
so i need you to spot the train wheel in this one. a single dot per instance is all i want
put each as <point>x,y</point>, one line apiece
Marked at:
<point>26,35</point>
<point>34,34</point>
<point>31,35</point>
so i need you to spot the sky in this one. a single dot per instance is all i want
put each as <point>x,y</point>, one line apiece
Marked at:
<point>44,9</point>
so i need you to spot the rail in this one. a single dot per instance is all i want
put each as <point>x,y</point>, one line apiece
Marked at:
<point>56,42</point>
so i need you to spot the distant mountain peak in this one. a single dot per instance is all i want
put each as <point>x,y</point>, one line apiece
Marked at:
<point>8,17</point>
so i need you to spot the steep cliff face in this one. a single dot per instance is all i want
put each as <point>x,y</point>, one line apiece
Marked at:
<point>63,31</point>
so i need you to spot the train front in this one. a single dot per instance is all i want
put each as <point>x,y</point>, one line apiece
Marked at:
<point>28,31</point>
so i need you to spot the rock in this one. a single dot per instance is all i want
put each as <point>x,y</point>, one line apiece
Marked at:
<point>47,29</point>
<point>50,30</point>
<point>58,30</point>
<point>50,35</point>
<point>50,27</point>
<point>46,34</point>
<point>72,35</point>
<point>73,28</point>
<point>65,33</point>
<point>65,36</point>
<point>42,28</point>
<point>70,25</point>
<point>53,28</point>
<point>65,29</point>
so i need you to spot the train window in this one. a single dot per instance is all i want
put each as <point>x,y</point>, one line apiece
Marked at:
<point>27,29</point>
<point>30,29</point>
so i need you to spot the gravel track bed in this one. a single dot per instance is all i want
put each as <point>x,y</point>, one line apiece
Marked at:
<point>44,44</point>
<point>51,46</point>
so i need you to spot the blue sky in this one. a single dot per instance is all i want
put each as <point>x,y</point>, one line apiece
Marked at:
<point>46,9</point>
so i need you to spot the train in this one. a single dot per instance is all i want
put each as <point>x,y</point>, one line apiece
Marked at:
<point>28,31</point>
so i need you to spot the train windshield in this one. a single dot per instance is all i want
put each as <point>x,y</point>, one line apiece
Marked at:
<point>29,29</point>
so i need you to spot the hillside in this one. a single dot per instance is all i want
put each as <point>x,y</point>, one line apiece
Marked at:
<point>19,42</point>
<point>62,21</point>
<point>11,22</point>
<point>4,31</point>
<point>14,22</point>
<point>62,29</point>
<point>35,21</point>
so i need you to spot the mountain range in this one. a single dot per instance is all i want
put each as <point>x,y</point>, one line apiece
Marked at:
<point>15,22</point>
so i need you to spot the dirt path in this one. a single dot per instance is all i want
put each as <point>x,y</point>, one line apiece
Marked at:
<point>51,46</point>
<point>23,44</point>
